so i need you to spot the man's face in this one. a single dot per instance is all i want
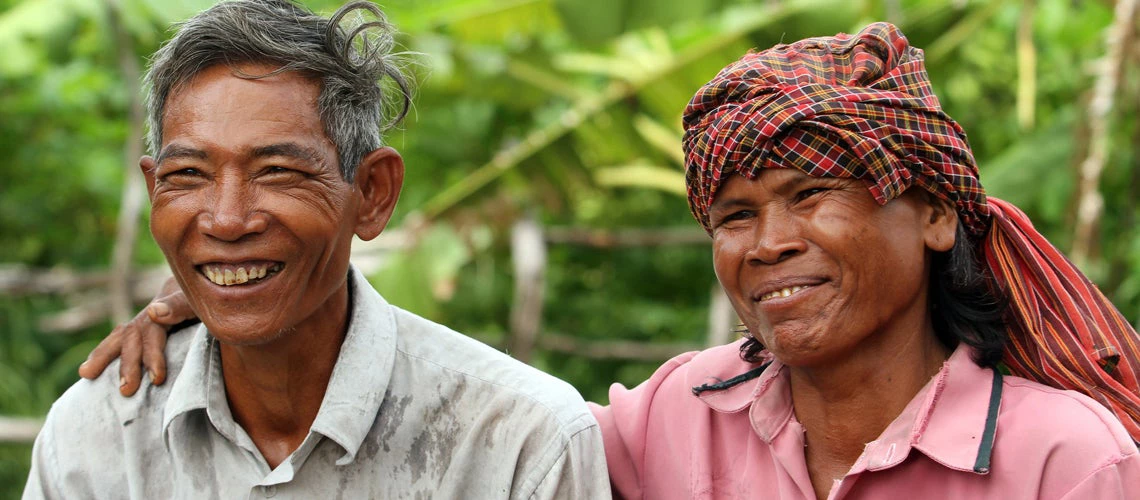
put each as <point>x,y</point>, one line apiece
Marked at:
<point>817,270</point>
<point>249,206</point>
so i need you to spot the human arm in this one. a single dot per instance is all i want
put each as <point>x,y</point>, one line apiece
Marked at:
<point>624,423</point>
<point>622,446</point>
<point>141,340</point>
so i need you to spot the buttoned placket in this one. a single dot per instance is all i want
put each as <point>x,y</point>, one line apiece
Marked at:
<point>222,420</point>
<point>281,476</point>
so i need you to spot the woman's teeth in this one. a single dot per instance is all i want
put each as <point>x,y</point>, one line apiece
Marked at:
<point>239,275</point>
<point>783,292</point>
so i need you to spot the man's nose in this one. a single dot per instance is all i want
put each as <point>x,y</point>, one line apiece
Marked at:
<point>777,237</point>
<point>233,215</point>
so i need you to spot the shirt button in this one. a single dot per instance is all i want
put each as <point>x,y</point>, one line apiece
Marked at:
<point>269,491</point>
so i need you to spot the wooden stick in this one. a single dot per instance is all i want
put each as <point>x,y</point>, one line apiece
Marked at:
<point>627,237</point>
<point>615,349</point>
<point>1026,67</point>
<point>19,429</point>
<point>134,190</point>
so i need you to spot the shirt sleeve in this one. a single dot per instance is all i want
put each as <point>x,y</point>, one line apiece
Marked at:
<point>80,448</point>
<point>578,472</point>
<point>42,483</point>
<point>1118,480</point>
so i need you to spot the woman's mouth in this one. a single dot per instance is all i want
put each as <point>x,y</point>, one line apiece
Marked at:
<point>783,292</point>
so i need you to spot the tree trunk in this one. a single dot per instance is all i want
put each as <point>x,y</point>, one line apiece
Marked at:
<point>1090,202</point>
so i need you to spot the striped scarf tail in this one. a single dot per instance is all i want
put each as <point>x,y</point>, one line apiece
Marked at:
<point>1065,333</point>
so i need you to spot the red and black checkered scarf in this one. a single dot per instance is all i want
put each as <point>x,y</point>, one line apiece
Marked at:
<point>861,107</point>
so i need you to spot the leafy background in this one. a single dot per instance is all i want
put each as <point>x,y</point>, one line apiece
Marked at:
<point>554,109</point>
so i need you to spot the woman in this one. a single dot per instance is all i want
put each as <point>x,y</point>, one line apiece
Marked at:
<point>848,226</point>
<point>877,313</point>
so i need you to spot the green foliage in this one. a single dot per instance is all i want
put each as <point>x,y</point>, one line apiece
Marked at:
<point>565,109</point>
<point>34,370</point>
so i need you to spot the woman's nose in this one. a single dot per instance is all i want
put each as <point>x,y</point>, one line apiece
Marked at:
<point>776,238</point>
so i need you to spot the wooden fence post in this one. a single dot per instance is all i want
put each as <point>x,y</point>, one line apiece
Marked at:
<point>722,318</point>
<point>528,256</point>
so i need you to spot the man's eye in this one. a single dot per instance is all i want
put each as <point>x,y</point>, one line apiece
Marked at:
<point>183,172</point>
<point>277,170</point>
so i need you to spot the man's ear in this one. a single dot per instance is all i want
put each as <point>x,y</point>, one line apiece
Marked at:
<point>379,178</point>
<point>147,165</point>
<point>942,228</point>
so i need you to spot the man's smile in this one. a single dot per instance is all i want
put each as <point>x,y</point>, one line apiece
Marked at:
<point>230,274</point>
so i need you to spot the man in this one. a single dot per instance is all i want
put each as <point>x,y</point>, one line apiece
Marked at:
<point>301,380</point>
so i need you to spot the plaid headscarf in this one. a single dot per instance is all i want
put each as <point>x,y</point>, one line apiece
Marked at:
<point>861,107</point>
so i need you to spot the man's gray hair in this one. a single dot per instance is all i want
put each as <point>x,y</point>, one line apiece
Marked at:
<point>348,55</point>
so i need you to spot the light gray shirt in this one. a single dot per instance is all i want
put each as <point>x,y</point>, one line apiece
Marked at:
<point>413,410</point>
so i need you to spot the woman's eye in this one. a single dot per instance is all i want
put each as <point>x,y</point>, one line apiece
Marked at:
<point>809,192</point>
<point>737,215</point>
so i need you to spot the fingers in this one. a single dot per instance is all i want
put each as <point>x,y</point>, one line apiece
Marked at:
<point>140,342</point>
<point>163,313</point>
<point>125,342</point>
<point>153,356</point>
<point>170,309</point>
<point>130,369</point>
<point>103,354</point>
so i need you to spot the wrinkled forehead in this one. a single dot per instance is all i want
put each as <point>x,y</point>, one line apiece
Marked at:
<point>775,182</point>
<point>222,78</point>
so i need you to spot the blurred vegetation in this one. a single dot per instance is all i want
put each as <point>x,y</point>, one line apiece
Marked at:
<point>555,108</point>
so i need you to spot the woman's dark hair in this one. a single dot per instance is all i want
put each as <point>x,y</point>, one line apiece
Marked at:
<point>965,303</point>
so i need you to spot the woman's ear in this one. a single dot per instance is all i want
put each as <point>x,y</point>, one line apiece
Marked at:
<point>379,178</point>
<point>941,229</point>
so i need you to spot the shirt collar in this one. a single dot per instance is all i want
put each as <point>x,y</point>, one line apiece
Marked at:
<point>722,380</point>
<point>946,421</point>
<point>957,422</point>
<point>721,374</point>
<point>190,388</point>
<point>362,372</point>
<point>355,390</point>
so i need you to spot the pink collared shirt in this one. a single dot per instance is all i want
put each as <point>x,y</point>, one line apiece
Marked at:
<point>664,442</point>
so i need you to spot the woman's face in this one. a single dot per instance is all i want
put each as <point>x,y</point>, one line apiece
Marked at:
<point>818,271</point>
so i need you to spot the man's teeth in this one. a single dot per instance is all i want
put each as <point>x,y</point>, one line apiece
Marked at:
<point>227,277</point>
<point>783,292</point>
